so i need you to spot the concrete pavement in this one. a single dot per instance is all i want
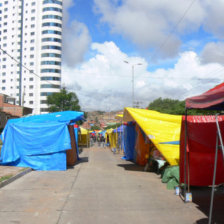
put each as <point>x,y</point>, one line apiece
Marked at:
<point>102,188</point>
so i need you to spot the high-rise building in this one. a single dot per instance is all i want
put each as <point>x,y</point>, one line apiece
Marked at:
<point>30,50</point>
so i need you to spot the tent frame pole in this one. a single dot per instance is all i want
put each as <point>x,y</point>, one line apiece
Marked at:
<point>185,156</point>
<point>218,139</point>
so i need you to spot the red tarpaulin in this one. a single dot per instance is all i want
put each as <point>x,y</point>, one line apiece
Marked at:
<point>212,99</point>
<point>201,146</point>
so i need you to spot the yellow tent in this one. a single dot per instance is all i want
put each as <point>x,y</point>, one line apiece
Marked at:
<point>160,128</point>
<point>84,138</point>
<point>112,137</point>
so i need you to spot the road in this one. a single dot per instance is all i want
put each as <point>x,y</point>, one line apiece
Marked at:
<point>102,188</point>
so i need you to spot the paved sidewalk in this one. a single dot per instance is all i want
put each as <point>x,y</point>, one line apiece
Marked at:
<point>102,188</point>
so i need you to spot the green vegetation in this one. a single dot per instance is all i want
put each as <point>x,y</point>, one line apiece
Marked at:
<point>5,178</point>
<point>170,106</point>
<point>95,127</point>
<point>63,101</point>
<point>113,126</point>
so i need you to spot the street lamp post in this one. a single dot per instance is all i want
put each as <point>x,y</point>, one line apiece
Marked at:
<point>133,80</point>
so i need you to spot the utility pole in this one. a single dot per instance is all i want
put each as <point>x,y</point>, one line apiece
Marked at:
<point>133,80</point>
<point>21,56</point>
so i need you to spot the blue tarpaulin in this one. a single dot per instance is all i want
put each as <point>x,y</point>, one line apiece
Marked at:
<point>76,130</point>
<point>129,141</point>
<point>119,129</point>
<point>38,141</point>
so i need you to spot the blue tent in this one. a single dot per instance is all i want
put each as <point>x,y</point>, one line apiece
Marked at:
<point>38,141</point>
<point>119,129</point>
<point>129,141</point>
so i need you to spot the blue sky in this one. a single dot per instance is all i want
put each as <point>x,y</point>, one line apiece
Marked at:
<point>177,60</point>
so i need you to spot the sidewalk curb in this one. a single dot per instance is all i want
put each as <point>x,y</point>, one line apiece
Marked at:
<point>10,180</point>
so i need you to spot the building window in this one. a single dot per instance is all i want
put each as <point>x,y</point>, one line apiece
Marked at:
<point>52,1</point>
<point>43,101</point>
<point>51,47</point>
<point>31,102</point>
<point>51,55</point>
<point>52,9</point>
<point>51,17</point>
<point>50,63</point>
<point>52,24</point>
<point>50,71</point>
<point>44,109</point>
<point>51,32</point>
<point>30,94</point>
<point>51,39</point>
<point>50,86</point>
<point>31,87</point>
<point>51,78</point>
<point>31,79</point>
<point>46,93</point>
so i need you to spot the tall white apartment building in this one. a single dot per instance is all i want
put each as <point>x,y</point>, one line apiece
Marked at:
<point>30,51</point>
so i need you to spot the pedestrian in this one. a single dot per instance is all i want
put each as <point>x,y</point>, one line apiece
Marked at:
<point>102,139</point>
<point>98,139</point>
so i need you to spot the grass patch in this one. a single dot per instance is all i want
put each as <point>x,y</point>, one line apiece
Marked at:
<point>5,178</point>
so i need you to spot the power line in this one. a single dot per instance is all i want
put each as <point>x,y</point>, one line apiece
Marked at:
<point>5,52</point>
<point>174,28</point>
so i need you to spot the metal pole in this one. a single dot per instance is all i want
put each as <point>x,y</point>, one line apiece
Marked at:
<point>218,138</point>
<point>213,182</point>
<point>133,95</point>
<point>21,56</point>
<point>185,156</point>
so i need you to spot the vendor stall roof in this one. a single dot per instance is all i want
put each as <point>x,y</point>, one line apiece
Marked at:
<point>213,99</point>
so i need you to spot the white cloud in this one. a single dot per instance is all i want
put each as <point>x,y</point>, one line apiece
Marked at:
<point>104,82</point>
<point>213,53</point>
<point>148,23</point>
<point>158,26</point>
<point>76,38</point>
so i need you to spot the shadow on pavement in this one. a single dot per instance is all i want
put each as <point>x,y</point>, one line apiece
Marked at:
<point>83,160</point>
<point>201,197</point>
<point>131,167</point>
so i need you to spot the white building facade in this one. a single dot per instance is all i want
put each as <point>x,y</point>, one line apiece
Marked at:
<point>30,51</point>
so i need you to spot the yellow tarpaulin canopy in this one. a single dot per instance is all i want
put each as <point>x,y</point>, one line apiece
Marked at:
<point>84,131</point>
<point>119,117</point>
<point>112,137</point>
<point>160,128</point>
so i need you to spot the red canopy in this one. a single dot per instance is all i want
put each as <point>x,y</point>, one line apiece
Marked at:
<point>201,146</point>
<point>212,99</point>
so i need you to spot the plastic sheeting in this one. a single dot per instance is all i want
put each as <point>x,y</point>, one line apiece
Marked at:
<point>84,137</point>
<point>141,147</point>
<point>159,128</point>
<point>39,141</point>
<point>76,132</point>
<point>213,99</point>
<point>201,145</point>
<point>129,141</point>
<point>119,129</point>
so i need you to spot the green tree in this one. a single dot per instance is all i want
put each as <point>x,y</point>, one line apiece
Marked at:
<point>95,127</point>
<point>63,101</point>
<point>170,106</point>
